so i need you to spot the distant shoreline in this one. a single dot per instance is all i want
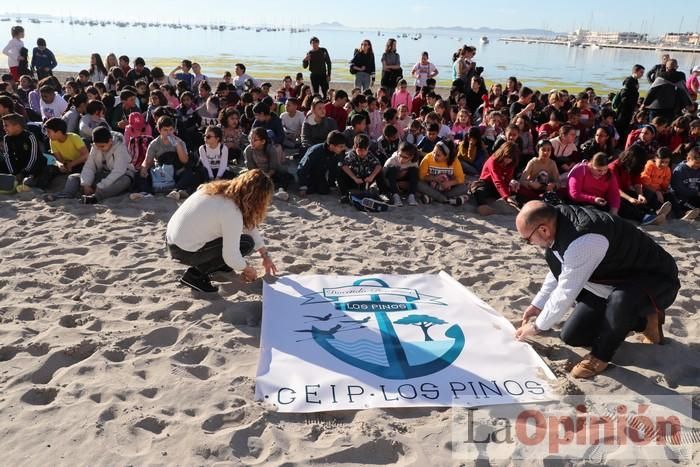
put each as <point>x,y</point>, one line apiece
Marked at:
<point>275,78</point>
<point>603,45</point>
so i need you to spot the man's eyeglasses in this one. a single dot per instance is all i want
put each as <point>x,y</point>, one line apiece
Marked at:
<point>529,237</point>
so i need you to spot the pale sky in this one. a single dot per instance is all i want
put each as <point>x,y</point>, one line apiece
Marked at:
<point>648,16</point>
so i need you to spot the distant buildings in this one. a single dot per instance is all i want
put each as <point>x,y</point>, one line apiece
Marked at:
<point>686,38</point>
<point>584,36</point>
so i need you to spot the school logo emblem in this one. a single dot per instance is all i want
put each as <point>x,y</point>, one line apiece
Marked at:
<point>387,355</point>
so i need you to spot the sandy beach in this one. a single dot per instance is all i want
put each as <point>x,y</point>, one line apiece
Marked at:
<point>104,360</point>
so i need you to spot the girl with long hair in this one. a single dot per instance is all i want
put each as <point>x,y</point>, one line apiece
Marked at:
<point>362,65</point>
<point>97,70</point>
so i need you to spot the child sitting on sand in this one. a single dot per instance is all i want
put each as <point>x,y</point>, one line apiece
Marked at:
<point>264,155</point>
<point>68,148</point>
<point>592,183</point>
<point>656,182</point>
<point>232,134</point>
<point>388,143</point>
<point>685,181</point>
<point>462,124</point>
<point>94,116</point>
<point>496,180</point>
<point>441,176</point>
<point>471,152</point>
<point>415,133</point>
<point>22,157</point>
<point>540,175</point>
<point>427,143</point>
<point>360,169</point>
<point>213,156</point>
<point>402,167</point>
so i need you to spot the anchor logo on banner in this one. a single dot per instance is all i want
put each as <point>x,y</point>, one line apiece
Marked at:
<point>393,358</point>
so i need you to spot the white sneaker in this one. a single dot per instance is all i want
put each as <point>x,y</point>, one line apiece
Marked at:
<point>412,200</point>
<point>282,195</point>
<point>691,215</point>
<point>665,209</point>
<point>174,195</point>
<point>396,200</point>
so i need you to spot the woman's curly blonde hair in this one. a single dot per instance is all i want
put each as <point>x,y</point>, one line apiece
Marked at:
<point>252,192</point>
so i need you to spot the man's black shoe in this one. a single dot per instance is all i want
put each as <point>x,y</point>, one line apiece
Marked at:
<point>198,281</point>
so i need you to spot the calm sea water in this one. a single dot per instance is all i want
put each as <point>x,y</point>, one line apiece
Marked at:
<point>274,54</point>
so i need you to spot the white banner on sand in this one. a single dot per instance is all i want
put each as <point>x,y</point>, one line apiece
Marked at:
<point>347,342</point>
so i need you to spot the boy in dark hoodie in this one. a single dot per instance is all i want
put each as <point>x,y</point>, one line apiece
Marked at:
<point>22,157</point>
<point>685,182</point>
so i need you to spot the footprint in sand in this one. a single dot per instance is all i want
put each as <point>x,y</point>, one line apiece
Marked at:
<point>200,371</point>
<point>43,264</point>
<point>181,305</point>
<point>240,441</point>
<point>62,359</point>
<point>39,396</point>
<point>159,315</point>
<point>133,316</point>
<point>37,349</point>
<point>114,355</point>
<point>8,353</point>
<point>71,273</point>
<point>298,268</point>
<point>161,337</point>
<point>26,314</point>
<point>191,355</point>
<point>223,421</point>
<point>149,392</point>
<point>151,424</point>
<point>69,321</point>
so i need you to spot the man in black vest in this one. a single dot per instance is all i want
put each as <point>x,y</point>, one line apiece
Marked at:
<point>620,279</point>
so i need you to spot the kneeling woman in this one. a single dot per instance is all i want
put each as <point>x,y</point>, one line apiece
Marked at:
<point>217,226</point>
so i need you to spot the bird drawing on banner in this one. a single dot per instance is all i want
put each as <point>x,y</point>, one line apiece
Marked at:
<point>330,331</point>
<point>363,320</point>
<point>319,318</point>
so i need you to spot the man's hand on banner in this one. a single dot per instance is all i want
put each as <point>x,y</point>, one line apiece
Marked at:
<point>531,312</point>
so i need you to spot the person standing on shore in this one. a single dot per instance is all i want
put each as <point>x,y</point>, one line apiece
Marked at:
<point>318,62</point>
<point>43,60</point>
<point>625,102</point>
<point>620,279</point>
<point>362,66</point>
<point>651,75</point>
<point>391,67</point>
<point>668,96</point>
<point>12,50</point>
<point>423,70</point>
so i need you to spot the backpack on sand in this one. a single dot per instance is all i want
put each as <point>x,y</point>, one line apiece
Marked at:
<point>8,184</point>
<point>368,202</point>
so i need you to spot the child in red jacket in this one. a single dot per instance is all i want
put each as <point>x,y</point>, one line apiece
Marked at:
<point>496,179</point>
